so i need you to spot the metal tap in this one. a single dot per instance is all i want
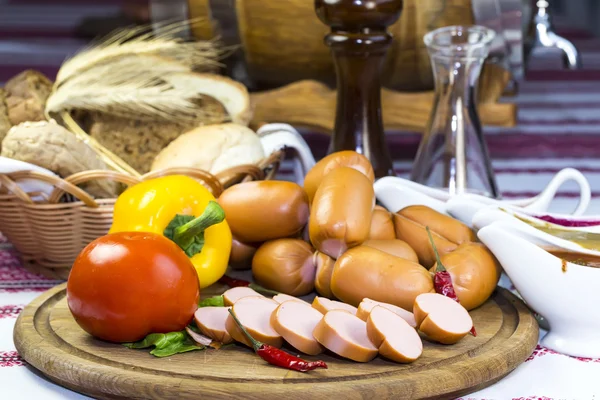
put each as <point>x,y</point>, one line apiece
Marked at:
<point>543,36</point>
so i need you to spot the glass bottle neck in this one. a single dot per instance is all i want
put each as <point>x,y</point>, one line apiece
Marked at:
<point>456,78</point>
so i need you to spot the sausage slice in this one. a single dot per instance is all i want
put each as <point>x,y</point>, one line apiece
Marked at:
<point>282,297</point>
<point>345,335</point>
<point>440,318</point>
<point>295,322</point>
<point>255,315</point>
<point>231,296</point>
<point>366,306</point>
<point>211,322</point>
<point>324,305</point>
<point>394,337</point>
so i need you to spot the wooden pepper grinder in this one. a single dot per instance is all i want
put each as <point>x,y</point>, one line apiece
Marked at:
<point>359,41</point>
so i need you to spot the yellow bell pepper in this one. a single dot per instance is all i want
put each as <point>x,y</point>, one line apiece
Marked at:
<point>183,210</point>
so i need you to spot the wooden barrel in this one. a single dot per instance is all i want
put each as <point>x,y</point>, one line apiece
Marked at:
<point>282,41</point>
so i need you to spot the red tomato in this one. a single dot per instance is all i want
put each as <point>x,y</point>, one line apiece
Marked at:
<point>126,285</point>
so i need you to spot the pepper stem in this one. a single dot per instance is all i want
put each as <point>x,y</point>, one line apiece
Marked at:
<point>184,235</point>
<point>255,343</point>
<point>440,266</point>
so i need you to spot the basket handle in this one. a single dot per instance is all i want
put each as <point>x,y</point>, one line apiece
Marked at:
<point>61,185</point>
<point>85,176</point>
<point>210,181</point>
<point>274,160</point>
<point>13,188</point>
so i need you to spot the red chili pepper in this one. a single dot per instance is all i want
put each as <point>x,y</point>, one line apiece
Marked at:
<point>442,281</point>
<point>278,357</point>
<point>233,282</point>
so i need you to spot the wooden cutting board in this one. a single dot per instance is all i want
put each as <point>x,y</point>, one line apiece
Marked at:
<point>48,338</point>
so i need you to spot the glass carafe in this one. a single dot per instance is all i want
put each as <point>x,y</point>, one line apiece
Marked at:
<point>452,154</point>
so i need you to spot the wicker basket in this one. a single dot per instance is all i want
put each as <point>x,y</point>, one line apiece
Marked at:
<point>49,234</point>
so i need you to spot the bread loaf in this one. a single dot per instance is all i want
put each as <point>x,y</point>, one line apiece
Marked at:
<point>5,124</point>
<point>49,145</point>
<point>138,142</point>
<point>26,96</point>
<point>213,148</point>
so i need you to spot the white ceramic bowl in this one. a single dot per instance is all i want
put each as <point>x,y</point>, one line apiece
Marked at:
<point>564,293</point>
<point>395,193</point>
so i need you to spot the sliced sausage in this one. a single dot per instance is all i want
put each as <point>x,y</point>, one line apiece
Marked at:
<point>395,247</point>
<point>211,322</point>
<point>346,158</point>
<point>254,314</point>
<point>345,335</point>
<point>231,296</point>
<point>324,305</point>
<point>475,272</point>
<point>285,265</point>
<point>442,319</point>
<point>282,297</point>
<point>324,271</point>
<point>241,254</point>
<point>264,210</point>
<point>382,225</point>
<point>394,337</point>
<point>365,272</point>
<point>366,306</point>
<point>340,216</point>
<point>295,322</point>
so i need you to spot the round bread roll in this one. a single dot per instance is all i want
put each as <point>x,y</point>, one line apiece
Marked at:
<point>212,148</point>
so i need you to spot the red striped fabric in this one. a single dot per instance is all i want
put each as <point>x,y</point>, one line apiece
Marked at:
<point>10,359</point>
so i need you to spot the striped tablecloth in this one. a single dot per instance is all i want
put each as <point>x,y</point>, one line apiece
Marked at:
<point>559,126</point>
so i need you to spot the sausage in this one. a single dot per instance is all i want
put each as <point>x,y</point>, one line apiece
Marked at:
<point>240,257</point>
<point>382,225</point>
<point>211,322</point>
<point>295,322</point>
<point>365,272</point>
<point>231,296</point>
<point>324,305</point>
<point>264,210</point>
<point>475,272</point>
<point>285,265</point>
<point>394,337</point>
<point>446,226</point>
<point>254,314</point>
<point>416,236</point>
<point>395,247</point>
<point>447,232</point>
<point>366,306</point>
<point>345,335</point>
<point>341,211</point>
<point>346,158</point>
<point>441,318</point>
<point>324,265</point>
<point>282,297</point>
